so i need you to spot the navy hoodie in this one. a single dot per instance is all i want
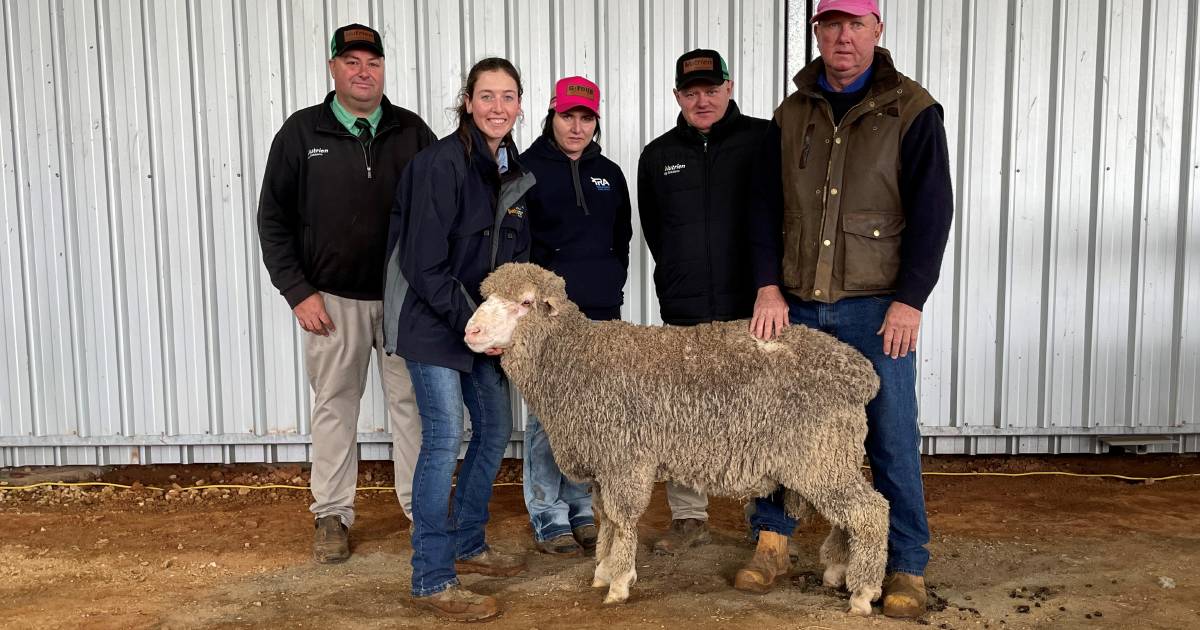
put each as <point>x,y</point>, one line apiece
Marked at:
<point>580,222</point>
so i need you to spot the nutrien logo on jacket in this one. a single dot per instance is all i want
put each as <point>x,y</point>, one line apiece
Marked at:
<point>316,152</point>
<point>671,169</point>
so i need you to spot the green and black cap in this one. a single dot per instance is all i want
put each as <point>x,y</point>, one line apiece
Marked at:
<point>354,36</point>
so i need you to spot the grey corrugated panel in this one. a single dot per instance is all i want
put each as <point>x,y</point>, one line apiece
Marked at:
<point>1156,233</point>
<point>16,412</point>
<point>1069,214</point>
<point>1119,159</point>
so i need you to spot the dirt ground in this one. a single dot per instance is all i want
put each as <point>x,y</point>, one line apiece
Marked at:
<point>1008,552</point>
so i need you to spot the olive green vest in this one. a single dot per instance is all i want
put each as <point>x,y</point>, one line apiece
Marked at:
<point>842,218</point>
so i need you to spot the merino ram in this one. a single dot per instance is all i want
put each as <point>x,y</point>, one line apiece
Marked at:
<point>707,406</point>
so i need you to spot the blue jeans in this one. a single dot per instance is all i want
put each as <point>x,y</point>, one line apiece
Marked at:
<point>893,437</point>
<point>556,504</point>
<point>444,531</point>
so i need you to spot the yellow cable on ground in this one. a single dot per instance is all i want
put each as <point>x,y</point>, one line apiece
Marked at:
<point>83,484</point>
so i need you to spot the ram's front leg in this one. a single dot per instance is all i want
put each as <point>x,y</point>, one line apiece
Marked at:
<point>620,565</point>
<point>623,504</point>
<point>604,541</point>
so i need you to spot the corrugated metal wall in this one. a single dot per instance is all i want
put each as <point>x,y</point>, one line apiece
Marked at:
<point>138,322</point>
<point>139,325</point>
<point>1070,300</point>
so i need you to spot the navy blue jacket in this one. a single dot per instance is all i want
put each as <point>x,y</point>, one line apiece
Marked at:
<point>454,221</point>
<point>580,220</point>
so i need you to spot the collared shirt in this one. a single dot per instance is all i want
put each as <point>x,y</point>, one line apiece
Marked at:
<point>858,84</point>
<point>502,160</point>
<point>347,119</point>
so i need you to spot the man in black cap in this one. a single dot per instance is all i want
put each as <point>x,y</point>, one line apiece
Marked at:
<point>323,224</point>
<point>692,190</point>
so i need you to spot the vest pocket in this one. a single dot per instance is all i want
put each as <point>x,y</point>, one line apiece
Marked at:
<point>793,263</point>
<point>872,250</point>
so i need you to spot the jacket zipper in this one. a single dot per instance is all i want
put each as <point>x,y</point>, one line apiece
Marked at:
<point>366,149</point>
<point>829,167</point>
<point>712,300</point>
<point>367,156</point>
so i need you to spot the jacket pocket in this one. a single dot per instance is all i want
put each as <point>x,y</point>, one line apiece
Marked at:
<point>793,234</point>
<point>872,249</point>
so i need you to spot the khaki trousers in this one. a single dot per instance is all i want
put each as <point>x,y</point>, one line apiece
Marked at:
<point>337,372</point>
<point>686,503</point>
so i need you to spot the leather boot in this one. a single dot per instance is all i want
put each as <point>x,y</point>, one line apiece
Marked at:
<point>904,595</point>
<point>331,541</point>
<point>770,562</point>
<point>493,563</point>
<point>460,604</point>
<point>684,533</point>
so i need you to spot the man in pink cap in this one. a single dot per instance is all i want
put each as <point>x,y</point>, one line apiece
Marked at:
<point>850,241</point>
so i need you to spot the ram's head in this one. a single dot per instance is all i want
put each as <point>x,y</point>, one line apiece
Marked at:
<point>512,292</point>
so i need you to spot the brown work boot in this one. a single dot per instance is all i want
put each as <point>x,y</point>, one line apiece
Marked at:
<point>684,533</point>
<point>561,545</point>
<point>904,595</point>
<point>493,563</point>
<point>331,543</point>
<point>460,604</point>
<point>769,563</point>
<point>586,536</point>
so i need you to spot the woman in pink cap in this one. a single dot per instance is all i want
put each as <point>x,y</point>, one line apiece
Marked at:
<point>579,220</point>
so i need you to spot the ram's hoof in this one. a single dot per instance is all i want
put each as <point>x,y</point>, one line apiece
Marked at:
<point>614,598</point>
<point>860,607</point>
<point>835,576</point>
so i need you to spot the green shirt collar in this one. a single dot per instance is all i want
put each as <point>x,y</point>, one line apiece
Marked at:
<point>347,119</point>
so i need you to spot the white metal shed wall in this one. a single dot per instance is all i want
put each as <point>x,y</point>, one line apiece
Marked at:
<point>139,325</point>
<point>1069,303</point>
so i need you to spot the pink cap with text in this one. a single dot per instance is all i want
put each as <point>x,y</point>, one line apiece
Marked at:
<point>573,92</point>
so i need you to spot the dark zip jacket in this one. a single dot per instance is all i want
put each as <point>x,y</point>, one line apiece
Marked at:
<point>692,198</point>
<point>580,222</point>
<point>323,210</point>
<point>453,222</point>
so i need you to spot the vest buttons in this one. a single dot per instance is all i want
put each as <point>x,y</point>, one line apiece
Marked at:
<point>817,292</point>
<point>875,233</point>
<point>833,191</point>
<point>837,140</point>
<point>826,243</point>
<point>871,104</point>
<point>818,191</point>
<point>899,90</point>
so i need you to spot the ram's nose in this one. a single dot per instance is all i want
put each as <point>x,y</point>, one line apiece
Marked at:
<point>474,333</point>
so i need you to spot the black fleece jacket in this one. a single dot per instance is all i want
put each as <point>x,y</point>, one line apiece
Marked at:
<point>580,221</point>
<point>693,196</point>
<point>326,200</point>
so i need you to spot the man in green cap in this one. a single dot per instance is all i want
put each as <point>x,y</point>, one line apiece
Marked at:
<point>323,222</point>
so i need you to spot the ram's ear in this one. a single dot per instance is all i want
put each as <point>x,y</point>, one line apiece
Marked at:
<point>553,305</point>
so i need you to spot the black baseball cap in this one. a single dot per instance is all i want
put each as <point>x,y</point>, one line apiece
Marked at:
<point>353,36</point>
<point>700,65</point>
